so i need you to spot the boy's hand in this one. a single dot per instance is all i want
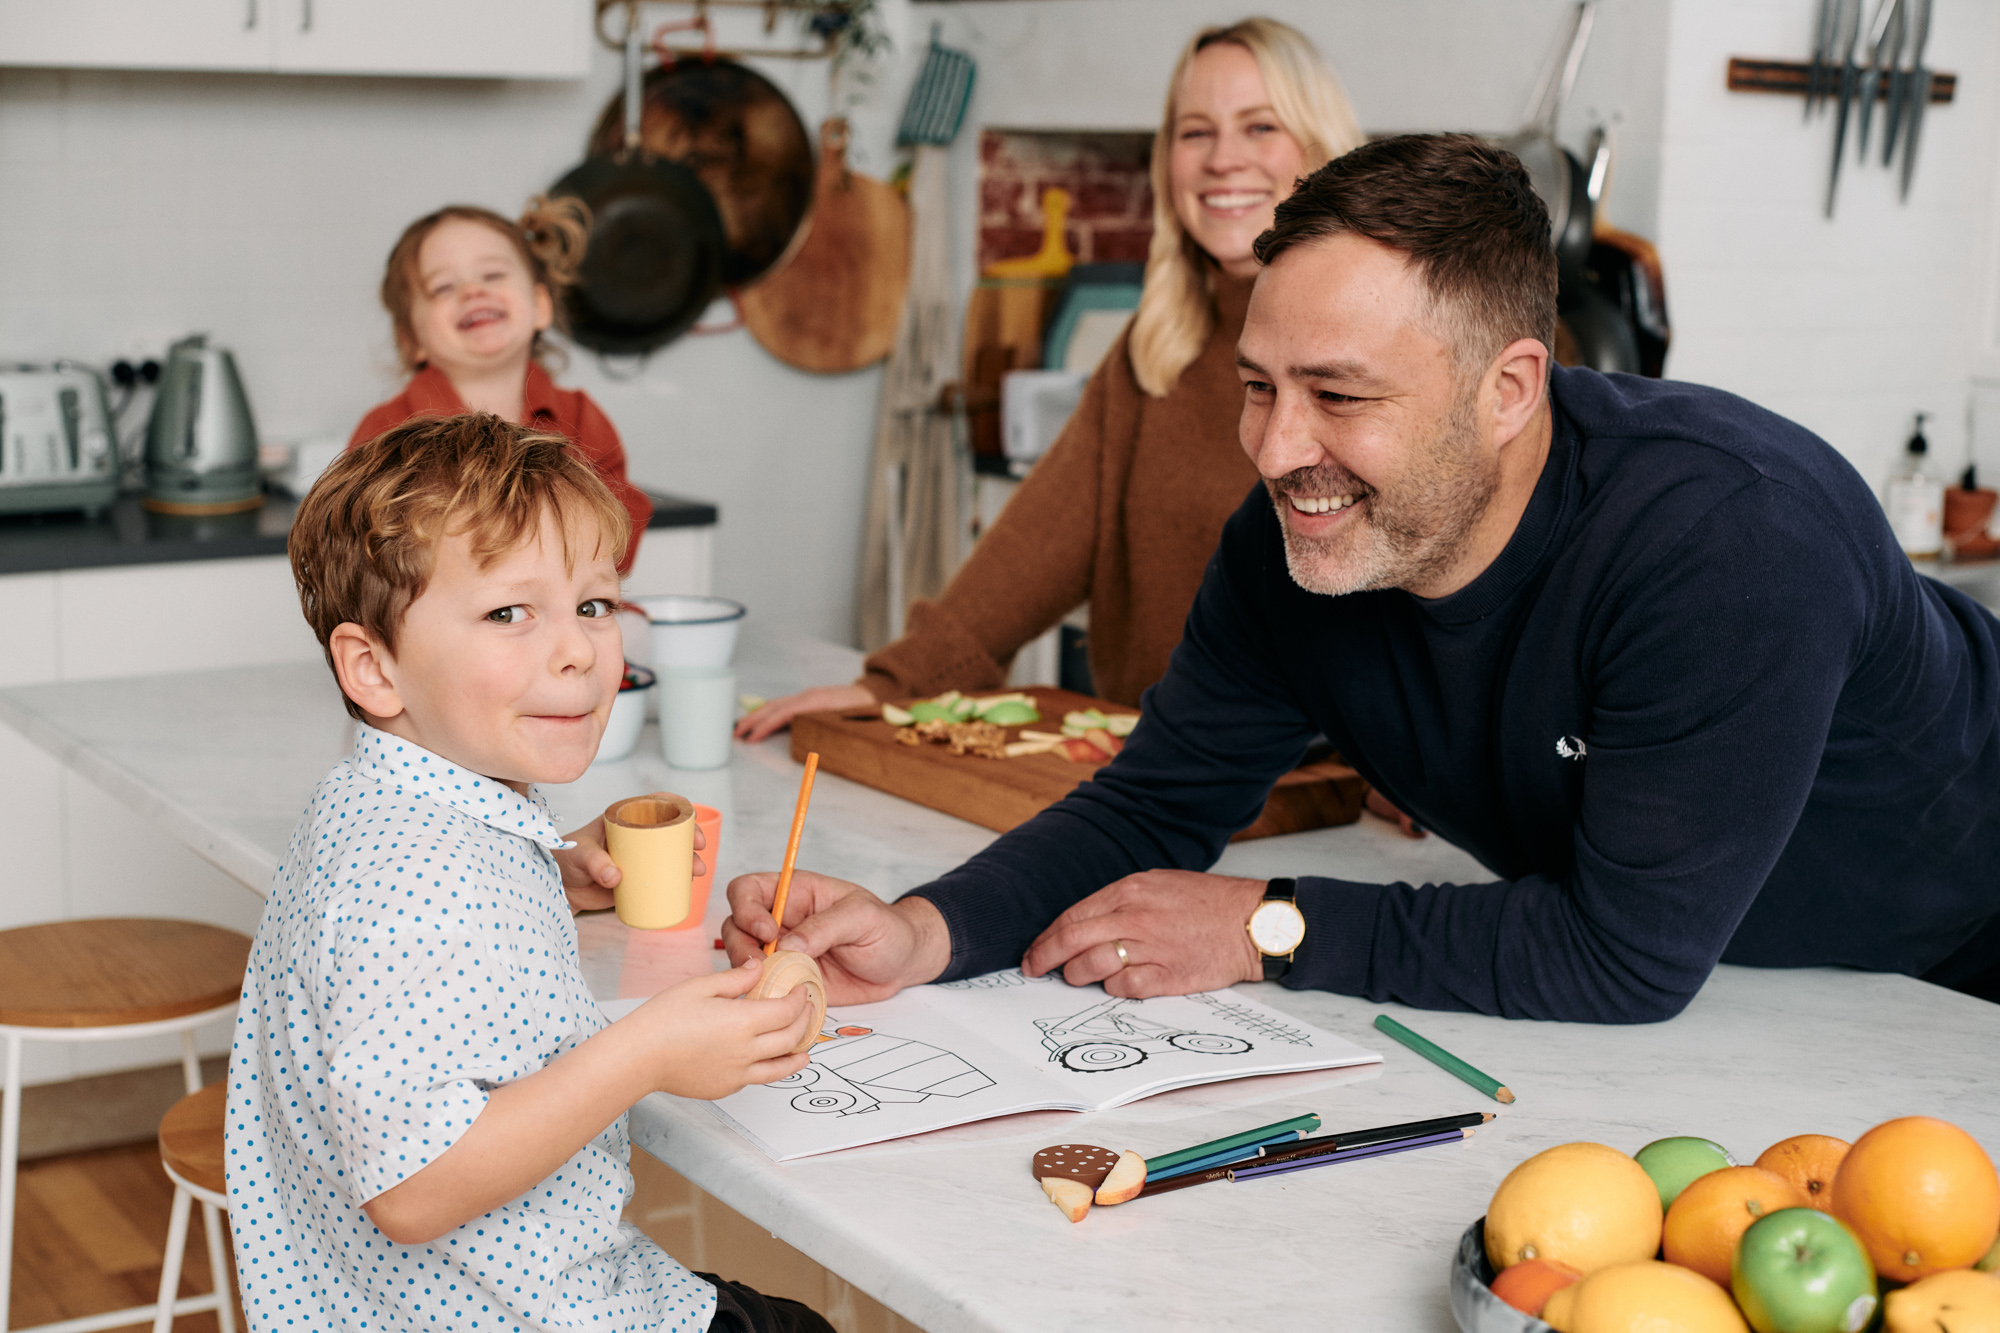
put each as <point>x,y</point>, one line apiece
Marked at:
<point>867,948</point>
<point>588,872</point>
<point>704,1041</point>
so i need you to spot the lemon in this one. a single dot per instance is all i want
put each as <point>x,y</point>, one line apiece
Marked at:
<point>1960,1300</point>
<point>1580,1204</point>
<point>1643,1297</point>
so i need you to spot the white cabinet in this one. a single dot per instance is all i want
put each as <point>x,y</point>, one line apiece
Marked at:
<point>510,39</point>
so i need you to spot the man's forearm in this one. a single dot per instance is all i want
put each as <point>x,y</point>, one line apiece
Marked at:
<point>528,1129</point>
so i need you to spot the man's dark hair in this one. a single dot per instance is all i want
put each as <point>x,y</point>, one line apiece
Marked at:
<point>1465,214</point>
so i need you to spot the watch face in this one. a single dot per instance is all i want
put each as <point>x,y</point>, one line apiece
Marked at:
<point>1276,927</point>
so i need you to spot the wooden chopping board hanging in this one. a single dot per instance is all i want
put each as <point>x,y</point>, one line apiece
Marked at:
<point>834,305</point>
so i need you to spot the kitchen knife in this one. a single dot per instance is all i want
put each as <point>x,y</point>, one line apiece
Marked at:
<point>1816,74</point>
<point>1920,91</point>
<point>1900,83</point>
<point>1850,29</point>
<point>1871,78</point>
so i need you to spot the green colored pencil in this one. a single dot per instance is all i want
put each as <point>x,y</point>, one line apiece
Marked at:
<point>1304,1124</point>
<point>1444,1059</point>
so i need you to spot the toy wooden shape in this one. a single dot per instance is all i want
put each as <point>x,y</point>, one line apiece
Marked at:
<point>784,972</point>
<point>1125,1181</point>
<point>1072,1196</point>
<point>651,839</point>
<point>1080,1162</point>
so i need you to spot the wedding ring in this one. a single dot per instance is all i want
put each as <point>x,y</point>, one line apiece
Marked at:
<point>1124,959</point>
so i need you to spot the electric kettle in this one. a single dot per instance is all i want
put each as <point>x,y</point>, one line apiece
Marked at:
<point>201,444</point>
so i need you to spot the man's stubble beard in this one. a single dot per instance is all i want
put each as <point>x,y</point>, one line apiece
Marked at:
<point>1400,541</point>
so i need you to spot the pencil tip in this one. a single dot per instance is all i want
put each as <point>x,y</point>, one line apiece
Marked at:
<point>1484,1116</point>
<point>1504,1095</point>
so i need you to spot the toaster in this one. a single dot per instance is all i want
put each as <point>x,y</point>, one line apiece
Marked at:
<point>56,447</point>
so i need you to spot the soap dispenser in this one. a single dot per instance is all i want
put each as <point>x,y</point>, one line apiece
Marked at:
<point>1916,499</point>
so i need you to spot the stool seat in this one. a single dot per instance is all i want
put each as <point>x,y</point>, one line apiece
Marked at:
<point>191,1138</point>
<point>109,971</point>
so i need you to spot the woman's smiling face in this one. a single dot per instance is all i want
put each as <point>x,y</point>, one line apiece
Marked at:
<point>1232,160</point>
<point>475,306</point>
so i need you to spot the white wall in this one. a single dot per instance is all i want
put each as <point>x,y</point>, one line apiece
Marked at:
<point>1848,325</point>
<point>260,208</point>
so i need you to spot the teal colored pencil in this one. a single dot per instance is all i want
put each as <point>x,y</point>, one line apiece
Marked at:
<point>1304,1124</point>
<point>1444,1059</point>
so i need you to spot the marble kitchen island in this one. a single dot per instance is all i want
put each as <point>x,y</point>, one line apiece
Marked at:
<point>949,1229</point>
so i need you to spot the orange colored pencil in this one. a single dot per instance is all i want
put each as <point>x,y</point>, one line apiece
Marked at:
<point>792,849</point>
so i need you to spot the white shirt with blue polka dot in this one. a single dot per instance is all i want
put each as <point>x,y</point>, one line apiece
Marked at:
<point>417,952</point>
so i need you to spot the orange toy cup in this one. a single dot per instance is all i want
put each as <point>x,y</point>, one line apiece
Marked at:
<point>709,820</point>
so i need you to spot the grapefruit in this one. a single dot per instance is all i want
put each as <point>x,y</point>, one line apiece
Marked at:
<point>1922,1195</point>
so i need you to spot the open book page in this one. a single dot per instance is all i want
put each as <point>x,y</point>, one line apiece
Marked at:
<point>936,1056</point>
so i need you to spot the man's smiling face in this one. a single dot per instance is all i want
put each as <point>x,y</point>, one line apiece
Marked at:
<point>1367,434</point>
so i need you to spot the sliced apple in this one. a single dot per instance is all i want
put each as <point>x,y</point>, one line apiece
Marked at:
<point>1104,740</point>
<point>1125,1181</point>
<point>1072,1196</point>
<point>1080,751</point>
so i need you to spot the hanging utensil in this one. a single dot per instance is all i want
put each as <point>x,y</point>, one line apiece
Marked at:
<point>1879,43</point>
<point>1920,90</point>
<point>1900,84</point>
<point>1817,74</point>
<point>1848,41</point>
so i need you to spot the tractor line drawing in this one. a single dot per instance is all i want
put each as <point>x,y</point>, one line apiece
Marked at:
<point>856,1070</point>
<point>1101,1038</point>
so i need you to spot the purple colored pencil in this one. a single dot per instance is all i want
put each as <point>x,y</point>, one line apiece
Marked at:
<point>1337,1155</point>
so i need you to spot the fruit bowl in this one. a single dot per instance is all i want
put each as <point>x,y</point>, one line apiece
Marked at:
<point>1473,1303</point>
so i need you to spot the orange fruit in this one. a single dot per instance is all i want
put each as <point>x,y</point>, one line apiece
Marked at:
<point>1714,1211</point>
<point>1580,1204</point>
<point>1643,1297</point>
<point>1959,1300</point>
<point>1528,1285</point>
<point>1809,1161</point>
<point>1922,1195</point>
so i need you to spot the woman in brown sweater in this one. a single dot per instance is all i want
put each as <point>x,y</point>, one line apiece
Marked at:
<point>1127,505</point>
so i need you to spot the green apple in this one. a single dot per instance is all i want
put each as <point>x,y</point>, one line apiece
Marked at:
<point>1991,1263</point>
<point>1674,1164</point>
<point>1799,1270</point>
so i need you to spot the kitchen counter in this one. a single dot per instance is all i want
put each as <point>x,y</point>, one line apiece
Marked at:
<point>947,1228</point>
<point>128,534</point>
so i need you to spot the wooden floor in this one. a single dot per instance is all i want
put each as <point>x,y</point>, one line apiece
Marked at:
<point>90,1234</point>
<point>91,1229</point>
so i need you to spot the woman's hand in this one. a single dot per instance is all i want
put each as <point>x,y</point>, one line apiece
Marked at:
<point>588,872</point>
<point>868,949</point>
<point>776,715</point>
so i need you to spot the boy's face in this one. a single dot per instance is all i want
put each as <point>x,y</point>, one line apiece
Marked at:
<point>475,306</point>
<point>509,670</point>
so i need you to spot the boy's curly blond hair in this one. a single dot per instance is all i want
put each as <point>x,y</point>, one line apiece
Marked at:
<point>365,539</point>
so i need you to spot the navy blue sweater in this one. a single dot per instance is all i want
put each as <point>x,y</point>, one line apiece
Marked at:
<point>1789,740</point>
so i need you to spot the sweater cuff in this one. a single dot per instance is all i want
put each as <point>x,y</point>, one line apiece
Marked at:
<point>972,917</point>
<point>936,653</point>
<point>1340,935</point>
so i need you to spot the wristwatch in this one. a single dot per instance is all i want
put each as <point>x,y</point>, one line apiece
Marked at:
<point>1277,928</point>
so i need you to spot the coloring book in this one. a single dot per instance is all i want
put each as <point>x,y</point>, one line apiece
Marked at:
<point>949,1054</point>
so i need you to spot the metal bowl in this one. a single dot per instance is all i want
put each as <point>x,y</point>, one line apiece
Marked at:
<point>1473,1303</point>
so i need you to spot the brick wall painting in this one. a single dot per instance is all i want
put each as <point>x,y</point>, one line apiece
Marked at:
<point>1111,208</point>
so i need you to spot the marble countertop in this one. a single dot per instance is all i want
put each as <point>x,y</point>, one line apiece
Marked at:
<point>948,1228</point>
<point>128,534</point>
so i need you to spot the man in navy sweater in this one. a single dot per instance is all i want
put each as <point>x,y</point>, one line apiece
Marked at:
<point>1649,652</point>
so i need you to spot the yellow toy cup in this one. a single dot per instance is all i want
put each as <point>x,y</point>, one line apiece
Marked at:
<point>651,838</point>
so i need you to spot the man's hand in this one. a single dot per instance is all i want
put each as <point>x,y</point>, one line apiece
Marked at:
<point>1183,932</point>
<point>867,948</point>
<point>703,1040</point>
<point>776,715</point>
<point>588,872</point>
<point>1383,808</point>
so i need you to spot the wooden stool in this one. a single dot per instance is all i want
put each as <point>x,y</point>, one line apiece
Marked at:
<point>191,1151</point>
<point>106,979</point>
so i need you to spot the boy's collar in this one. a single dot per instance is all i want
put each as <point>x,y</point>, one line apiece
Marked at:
<point>412,770</point>
<point>430,392</point>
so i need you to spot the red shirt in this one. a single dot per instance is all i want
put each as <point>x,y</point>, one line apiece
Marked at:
<point>566,411</point>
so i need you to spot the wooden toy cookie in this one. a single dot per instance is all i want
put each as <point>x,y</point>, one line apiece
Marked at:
<point>1074,1161</point>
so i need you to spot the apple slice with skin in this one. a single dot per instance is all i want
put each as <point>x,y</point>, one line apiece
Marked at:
<point>1072,1196</point>
<point>1125,1181</point>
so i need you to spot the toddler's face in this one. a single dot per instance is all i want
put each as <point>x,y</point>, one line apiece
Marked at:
<point>475,306</point>
<point>511,670</point>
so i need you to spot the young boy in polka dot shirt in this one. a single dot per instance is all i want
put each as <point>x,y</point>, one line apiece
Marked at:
<point>426,1119</point>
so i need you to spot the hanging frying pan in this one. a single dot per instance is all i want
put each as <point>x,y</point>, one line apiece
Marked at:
<point>737,132</point>
<point>655,256</point>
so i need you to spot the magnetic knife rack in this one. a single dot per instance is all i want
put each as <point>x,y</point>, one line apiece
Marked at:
<point>1793,76</point>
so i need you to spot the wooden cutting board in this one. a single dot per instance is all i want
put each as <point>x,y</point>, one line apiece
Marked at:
<point>1000,793</point>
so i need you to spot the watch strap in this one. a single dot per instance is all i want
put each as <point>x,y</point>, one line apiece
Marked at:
<point>1276,966</point>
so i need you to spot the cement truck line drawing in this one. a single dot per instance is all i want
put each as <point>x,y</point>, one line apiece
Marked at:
<point>857,1069</point>
<point>1101,1038</point>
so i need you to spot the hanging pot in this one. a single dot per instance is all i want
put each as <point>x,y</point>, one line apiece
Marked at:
<point>655,257</point>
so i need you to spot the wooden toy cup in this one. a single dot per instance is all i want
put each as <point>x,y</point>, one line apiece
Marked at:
<point>651,839</point>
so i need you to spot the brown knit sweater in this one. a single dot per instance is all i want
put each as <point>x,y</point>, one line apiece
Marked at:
<point>1123,512</point>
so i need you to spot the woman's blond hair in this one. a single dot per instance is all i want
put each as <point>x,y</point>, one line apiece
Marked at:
<point>550,236</point>
<point>1177,308</point>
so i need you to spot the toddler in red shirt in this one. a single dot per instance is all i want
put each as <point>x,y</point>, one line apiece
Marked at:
<point>470,295</point>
